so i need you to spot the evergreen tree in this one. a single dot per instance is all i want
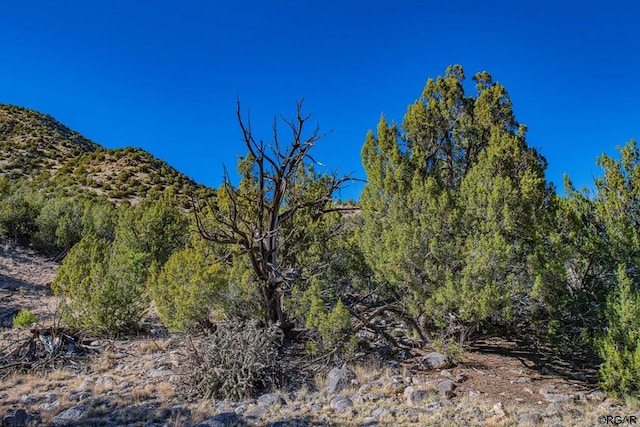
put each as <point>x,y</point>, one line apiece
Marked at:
<point>455,205</point>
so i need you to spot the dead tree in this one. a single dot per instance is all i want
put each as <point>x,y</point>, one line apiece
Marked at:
<point>267,198</point>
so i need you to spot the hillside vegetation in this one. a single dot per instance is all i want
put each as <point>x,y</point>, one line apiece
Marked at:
<point>43,154</point>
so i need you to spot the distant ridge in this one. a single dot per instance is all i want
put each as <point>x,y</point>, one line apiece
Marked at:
<point>39,151</point>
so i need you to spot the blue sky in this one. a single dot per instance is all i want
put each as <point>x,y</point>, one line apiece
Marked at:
<point>164,75</point>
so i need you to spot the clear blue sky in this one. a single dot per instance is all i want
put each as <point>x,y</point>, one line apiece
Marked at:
<point>164,75</point>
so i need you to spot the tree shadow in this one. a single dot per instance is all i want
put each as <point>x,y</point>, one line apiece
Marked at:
<point>11,300</point>
<point>580,370</point>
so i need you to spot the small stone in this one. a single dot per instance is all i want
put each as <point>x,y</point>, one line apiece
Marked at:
<point>530,418</point>
<point>474,393</point>
<point>522,380</point>
<point>415,396</point>
<point>313,406</point>
<point>579,376</point>
<point>105,382</point>
<point>357,398</point>
<point>380,412</point>
<point>271,399</point>
<point>446,373</point>
<point>364,388</point>
<point>70,416</point>
<point>222,420</point>
<point>434,360</point>
<point>369,422</point>
<point>498,410</point>
<point>25,399</point>
<point>339,379</point>
<point>161,372</point>
<point>597,396</point>
<point>256,412</point>
<point>86,385</point>
<point>47,406</point>
<point>79,396</point>
<point>446,387</point>
<point>554,409</point>
<point>17,418</point>
<point>460,378</point>
<point>548,371</point>
<point>341,403</point>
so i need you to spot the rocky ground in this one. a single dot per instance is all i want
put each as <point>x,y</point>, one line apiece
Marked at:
<point>138,381</point>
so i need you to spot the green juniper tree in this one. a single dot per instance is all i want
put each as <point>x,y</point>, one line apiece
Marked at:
<point>454,207</point>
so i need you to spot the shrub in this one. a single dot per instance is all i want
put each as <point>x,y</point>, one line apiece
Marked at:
<point>237,360</point>
<point>620,346</point>
<point>187,287</point>
<point>24,318</point>
<point>102,285</point>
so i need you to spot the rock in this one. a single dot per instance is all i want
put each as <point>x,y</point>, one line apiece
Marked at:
<point>532,418</point>
<point>446,388</point>
<point>597,396</point>
<point>17,418</point>
<point>341,403</point>
<point>446,373</point>
<point>364,388</point>
<point>579,376</point>
<point>415,396</point>
<point>555,397</point>
<point>25,399</point>
<point>434,360</point>
<point>380,412</point>
<point>357,398</point>
<point>474,394</point>
<point>313,406</point>
<point>161,372</point>
<point>72,415</point>
<point>271,399</point>
<point>105,382</point>
<point>86,385</point>
<point>369,422</point>
<point>79,396</point>
<point>382,351</point>
<point>498,410</point>
<point>47,406</point>
<point>523,380</point>
<point>554,409</point>
<point>548,371</point>
<point>256,412</point>
<point>339,379</point>
<point>460,378</point>
<point>222,420</point>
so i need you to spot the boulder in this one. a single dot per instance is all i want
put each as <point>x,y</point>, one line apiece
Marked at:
<point>434,360</point>
<point>339,379</point>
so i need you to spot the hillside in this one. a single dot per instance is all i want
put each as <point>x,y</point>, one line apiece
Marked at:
<point>46,155</point>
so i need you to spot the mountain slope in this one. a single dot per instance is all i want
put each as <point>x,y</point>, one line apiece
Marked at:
<point>38,151</point>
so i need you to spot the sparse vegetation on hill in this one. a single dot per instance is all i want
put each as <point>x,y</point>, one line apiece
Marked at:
<point>46,156</point>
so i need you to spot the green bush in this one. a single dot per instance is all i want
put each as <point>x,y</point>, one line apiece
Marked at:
<point>236,361</point>
<point>102,285</point>
<point>620,346</point>
<point>24,318</point>
<point>187,287</point>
